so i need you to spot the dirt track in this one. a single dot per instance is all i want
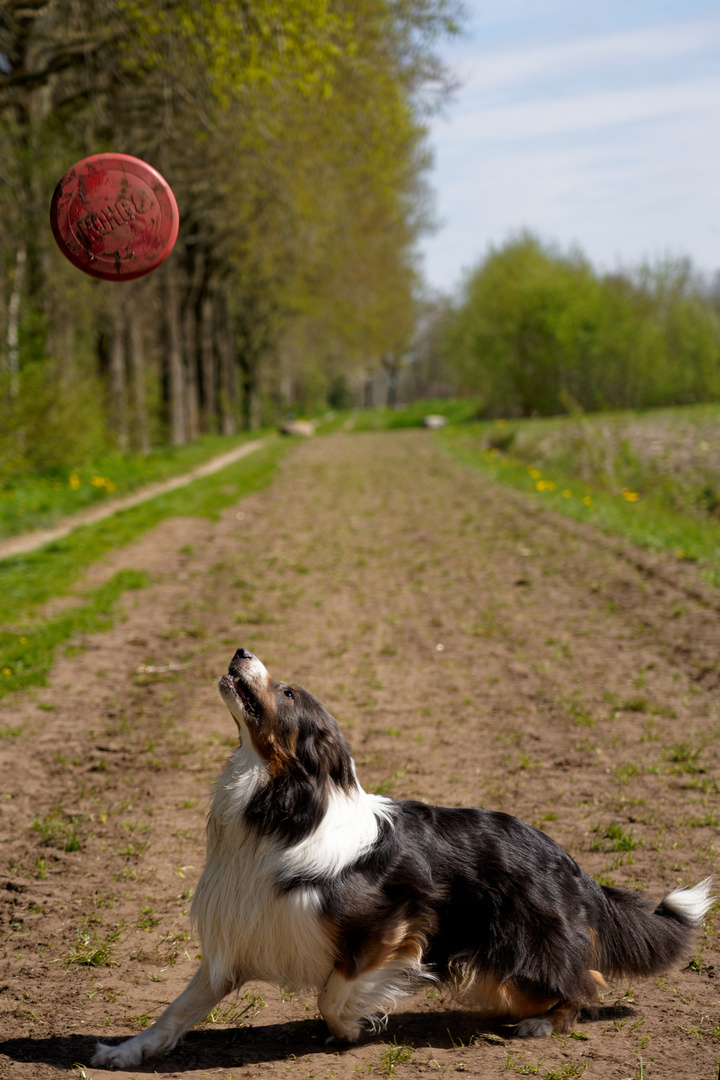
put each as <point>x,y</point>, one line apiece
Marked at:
<point>475,650</point>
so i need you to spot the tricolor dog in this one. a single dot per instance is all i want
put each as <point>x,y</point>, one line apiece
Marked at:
<point>312,883</point>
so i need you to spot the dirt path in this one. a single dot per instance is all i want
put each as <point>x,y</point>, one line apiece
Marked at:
<point>475,650</point>
<point>21,545</point>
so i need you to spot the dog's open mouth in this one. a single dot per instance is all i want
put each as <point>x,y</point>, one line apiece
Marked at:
<point>249,702</point>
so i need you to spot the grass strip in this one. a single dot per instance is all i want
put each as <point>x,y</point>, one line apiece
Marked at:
<point>26,659</point>
<point>38,502</point>
<point>455,410</point>
<point>643,520</point>
<point>28,642</point>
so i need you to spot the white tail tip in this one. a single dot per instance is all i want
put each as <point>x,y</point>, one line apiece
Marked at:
<point>693,903</point>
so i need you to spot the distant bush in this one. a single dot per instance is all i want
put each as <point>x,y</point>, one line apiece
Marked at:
<point>51,423</point>
<point>539,331</point>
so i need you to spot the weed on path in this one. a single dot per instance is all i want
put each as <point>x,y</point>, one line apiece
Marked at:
<point>474,650</point>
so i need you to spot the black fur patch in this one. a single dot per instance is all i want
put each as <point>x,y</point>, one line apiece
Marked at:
<point>294,803</point>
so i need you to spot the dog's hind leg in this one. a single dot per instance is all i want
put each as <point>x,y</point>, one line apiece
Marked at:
<point>195,1002</point>
<point>560,1018</point>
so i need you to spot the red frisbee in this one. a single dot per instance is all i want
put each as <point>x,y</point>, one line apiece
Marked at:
<point>114,217</point>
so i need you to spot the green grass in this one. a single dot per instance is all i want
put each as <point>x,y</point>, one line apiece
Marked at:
<point>614,838</point>
<point>26,658</point>
<point>92,951</point>
<point>643,520</point>
<point>27,642</point>
<point>456,411</point>
<point>57,830</point>
<point>39,501</point>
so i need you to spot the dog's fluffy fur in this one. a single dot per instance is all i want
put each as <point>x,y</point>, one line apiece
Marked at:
<point>312,883</point>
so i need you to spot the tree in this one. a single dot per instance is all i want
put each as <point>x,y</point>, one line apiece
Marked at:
<point>292,133</point>
<point>536,330</point>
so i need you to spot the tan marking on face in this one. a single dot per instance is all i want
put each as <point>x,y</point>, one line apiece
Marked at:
<point>276,748</point>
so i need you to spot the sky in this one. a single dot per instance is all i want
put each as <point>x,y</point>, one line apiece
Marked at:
<point>592,123</point>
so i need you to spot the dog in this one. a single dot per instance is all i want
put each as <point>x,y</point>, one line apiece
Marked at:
<point>312,883</point>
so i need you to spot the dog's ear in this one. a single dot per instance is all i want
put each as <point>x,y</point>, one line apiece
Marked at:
<point>327,756</point>
<point>293,803</point>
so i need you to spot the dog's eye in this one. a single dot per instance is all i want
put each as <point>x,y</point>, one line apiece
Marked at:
<point>289,693</point>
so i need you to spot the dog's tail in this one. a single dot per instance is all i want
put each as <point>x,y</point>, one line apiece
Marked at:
<point>634,938</point>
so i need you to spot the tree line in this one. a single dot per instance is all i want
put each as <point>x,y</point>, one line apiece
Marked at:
<point>535,330</point>
<point>292,132</point>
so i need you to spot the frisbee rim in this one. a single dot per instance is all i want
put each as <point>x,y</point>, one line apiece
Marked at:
<point>125,164</point>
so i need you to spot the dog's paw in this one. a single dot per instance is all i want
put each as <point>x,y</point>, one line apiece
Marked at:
<point>343,1031</point>
<point>123,1056</point>
<point>534,1026</point>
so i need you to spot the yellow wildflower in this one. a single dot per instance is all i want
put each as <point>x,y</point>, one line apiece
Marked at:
<point>588,501</point>
<point>535,473</point>
<point>567,493</point>
<point>74,481</point>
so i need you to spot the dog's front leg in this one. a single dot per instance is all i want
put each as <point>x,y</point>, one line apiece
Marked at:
<point>192,1005</point>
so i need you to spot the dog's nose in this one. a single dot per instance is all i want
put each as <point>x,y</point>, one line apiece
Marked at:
<point>243,654</point>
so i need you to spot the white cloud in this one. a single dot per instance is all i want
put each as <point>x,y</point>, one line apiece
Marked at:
<point>610,141</point>
<point>583,114</point>
<point>493,71</point>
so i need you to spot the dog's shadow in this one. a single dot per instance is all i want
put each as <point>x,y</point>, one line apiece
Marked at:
<point>235,1047</point>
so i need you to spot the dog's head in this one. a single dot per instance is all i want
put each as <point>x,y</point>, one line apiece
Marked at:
<point>297,738</point>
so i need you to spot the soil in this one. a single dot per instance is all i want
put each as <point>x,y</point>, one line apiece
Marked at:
<point>475,648</point>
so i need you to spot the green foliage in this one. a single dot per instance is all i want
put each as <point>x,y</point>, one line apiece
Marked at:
<point>292,134</point>
<point>52,423</point>
<point>538,331</point>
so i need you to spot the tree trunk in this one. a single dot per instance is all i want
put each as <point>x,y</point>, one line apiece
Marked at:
<point>190,329</point>
<point>368,392</point>
<point>248,380</point>
<point>13,331</point>
<point>137,364</point>
<point>228,374</point>
<point>207,352</point>
<point>118,383</point>
<point>392,369</point>
<point>176,373</point>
